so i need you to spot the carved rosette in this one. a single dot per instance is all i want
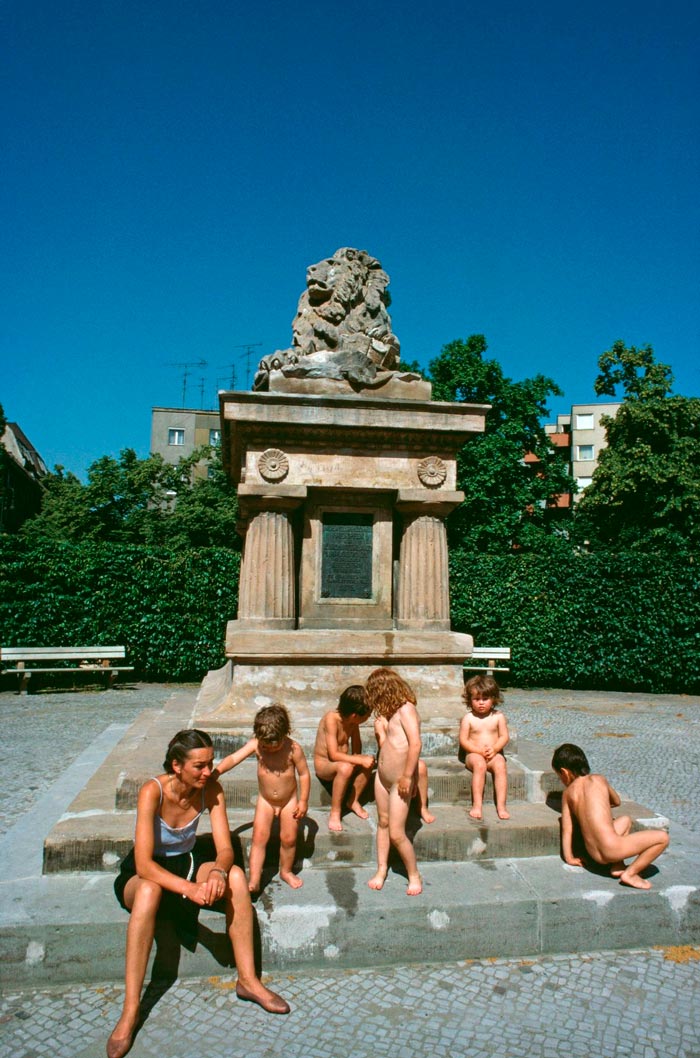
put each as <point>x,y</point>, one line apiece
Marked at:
<point>273,465</point>
<point>432,472</point>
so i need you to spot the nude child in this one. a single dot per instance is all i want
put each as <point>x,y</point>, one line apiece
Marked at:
<point>587,805</point>
<point>280,761</point>
<point>338,756</point>
<point>395,781</point>
<point>483,735</point>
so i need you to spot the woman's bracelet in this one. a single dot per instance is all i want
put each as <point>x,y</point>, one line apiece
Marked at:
<point>219,870</point>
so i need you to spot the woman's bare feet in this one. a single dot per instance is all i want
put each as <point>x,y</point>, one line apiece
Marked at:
<point>475,813</point>
<point>502,813</point>
<point>334,823</point>
<point>264,997</point>
<point>415,886</point>
<point>378,880</point>
<point>357,808</point>
<point>292,880</point>
<point>634,880</point>
<point>427,816</point>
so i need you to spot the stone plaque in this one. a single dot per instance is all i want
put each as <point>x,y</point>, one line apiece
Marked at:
<point>346,556</point>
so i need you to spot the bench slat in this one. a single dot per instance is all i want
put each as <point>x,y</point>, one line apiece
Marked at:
<point>60,653</point>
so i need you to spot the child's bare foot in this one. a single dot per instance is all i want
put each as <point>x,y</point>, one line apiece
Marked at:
<point>415,886</point>
<point>334,824</point>
<point>378,880</point>
<point>475,813</point>
<point>427,816</point>
<point>357,808</point>
<point>634,880</point>
<point>292,880</point>
<point>502,813</point>
<point>254,886</point>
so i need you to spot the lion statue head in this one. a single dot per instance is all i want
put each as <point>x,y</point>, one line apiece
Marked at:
<point>342,328</point>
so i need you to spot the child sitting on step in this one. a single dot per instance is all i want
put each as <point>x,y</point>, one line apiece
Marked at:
<point>483,735</point>
<point>338,756</point>
<point>280,761</point>
<point>587,803</point>
<point>397,772</point>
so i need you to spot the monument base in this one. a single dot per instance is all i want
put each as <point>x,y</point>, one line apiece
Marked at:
<point>307,669</point>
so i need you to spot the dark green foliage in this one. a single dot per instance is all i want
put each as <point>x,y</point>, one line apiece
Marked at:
<point>645,491</point>
<point>624,621</point>
<point>507,500</point>
<point>169,608</point>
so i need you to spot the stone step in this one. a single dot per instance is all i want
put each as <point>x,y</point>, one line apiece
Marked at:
<point>93,841</point>
<point>438,739</point>
<point>70,927</point>
<point>530,778</point>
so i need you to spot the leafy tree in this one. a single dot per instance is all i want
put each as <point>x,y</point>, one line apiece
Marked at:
<point>506,497</point>
<point>646,488</point>
<point>138,501</point>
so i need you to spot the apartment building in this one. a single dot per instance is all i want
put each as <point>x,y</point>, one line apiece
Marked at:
<point>176,432</point>
<point>582,433</point>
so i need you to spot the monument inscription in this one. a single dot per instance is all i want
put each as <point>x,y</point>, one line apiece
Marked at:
<point>346,556</point>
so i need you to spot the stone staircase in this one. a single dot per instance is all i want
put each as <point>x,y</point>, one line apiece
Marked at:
<point>491,888</point>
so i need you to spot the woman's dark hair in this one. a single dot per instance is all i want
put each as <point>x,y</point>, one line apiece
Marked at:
<point>182,744</point>
<point>572,758</point>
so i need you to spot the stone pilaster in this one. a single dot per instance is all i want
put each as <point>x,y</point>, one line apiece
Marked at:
<point>267,590</point>
<point>423,589</point>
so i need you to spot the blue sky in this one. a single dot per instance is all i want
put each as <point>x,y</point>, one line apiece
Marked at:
<point>528,171</point>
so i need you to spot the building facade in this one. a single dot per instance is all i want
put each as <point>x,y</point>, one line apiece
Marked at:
<point>176,432</point>
<point>582,433</point>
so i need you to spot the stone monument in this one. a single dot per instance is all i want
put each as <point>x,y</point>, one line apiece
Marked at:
<point>346,471</point>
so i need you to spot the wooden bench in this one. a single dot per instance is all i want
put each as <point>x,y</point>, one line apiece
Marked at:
<point>89,659</point>
<point>488,660</point>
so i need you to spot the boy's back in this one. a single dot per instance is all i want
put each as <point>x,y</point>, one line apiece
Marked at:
<point>589,799</point>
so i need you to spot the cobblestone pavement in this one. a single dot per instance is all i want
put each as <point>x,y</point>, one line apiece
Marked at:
<point>47,731</point>
<point>641,1003</point>
<point>608,1004</point>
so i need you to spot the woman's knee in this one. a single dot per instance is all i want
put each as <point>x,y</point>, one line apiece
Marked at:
<point>147,897</point>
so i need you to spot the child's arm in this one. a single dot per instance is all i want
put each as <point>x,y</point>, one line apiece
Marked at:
<point>304,781</point>
<point>380,725</point>
<point>614,796</point>
<point>235,758</point>
<point>408,715</point>
<point>364,760</point>
<point>502,738</point>
<point>567,835</point>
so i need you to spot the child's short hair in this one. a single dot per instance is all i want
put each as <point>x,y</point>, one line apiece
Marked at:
<point>271,723</point>
<point>486,686</point>
<point>572,758</point>
<point>182,744</point>
<point>353,700</point>
<point>386,692</point>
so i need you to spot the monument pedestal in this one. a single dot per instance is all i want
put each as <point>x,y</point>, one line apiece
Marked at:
<point>307,669</point>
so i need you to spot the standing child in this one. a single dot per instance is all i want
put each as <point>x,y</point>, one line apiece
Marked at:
<point>280,761</point>
<point>390,697</point>
<point>587,801</point>
<point>421,792</point>
<point>483,735</point>
<point>338,756</point>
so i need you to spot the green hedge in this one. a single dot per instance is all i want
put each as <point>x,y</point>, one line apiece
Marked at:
<point>624,621</point>
<point>168,608</point>
<point>600,621</point>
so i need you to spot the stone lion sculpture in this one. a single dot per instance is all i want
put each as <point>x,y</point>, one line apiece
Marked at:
<point>342,329</point>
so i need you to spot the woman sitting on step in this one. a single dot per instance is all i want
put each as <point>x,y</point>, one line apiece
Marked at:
<point>164,873</point>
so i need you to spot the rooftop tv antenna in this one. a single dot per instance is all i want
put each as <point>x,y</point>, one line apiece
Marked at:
<point>248,346</point>
<point>186,372</point>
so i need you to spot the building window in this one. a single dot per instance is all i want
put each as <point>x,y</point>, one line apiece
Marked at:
<point>215,437</point>
<point>585,421</point>
<point>176,437</point>
<point>583,483</point>
<point>584,452</point>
